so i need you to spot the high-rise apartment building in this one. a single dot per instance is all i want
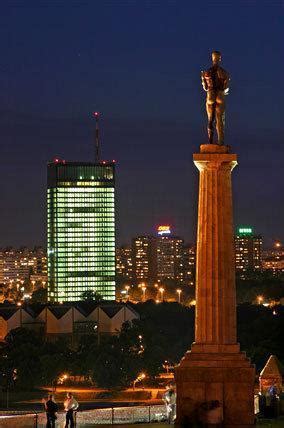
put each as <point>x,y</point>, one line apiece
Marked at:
<point>248,250</point>
<point>124,264</point>
<point>81,230</point>
<point>144,250</point>
<point>158,258</point>
<point>170,258</point>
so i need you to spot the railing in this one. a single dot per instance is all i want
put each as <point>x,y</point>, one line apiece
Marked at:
<point>110,416</point>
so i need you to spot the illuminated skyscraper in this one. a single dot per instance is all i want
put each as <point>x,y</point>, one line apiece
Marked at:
<point>169,255</point>
<point>81,230</point>
<point>157,258</point>
<point>144,258</point>
<point>124,264</point>
<point>248,249</point>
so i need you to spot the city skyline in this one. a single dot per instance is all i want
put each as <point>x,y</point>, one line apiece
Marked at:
<point>141,224</point>
<point>51,83</point>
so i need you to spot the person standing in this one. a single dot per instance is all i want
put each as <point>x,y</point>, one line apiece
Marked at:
<point>51,410</point>
<point>70,404</point>
<point>169,399</point>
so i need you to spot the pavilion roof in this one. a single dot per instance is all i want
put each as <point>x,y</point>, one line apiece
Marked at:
<point>272,368</point>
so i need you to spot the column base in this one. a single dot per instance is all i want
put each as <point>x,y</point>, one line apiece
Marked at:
<point>214,148</point>
<point>224,376</point>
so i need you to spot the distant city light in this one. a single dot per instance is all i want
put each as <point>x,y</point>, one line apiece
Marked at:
<point>58,160</point>
<point>164,230</point>
<point>245,230</point>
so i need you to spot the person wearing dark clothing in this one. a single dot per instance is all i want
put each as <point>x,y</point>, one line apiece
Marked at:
<point>51,409</point>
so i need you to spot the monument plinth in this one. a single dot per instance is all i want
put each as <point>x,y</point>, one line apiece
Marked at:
<point>214,368</point>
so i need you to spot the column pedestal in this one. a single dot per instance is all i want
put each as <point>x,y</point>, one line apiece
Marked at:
<point>214,368</point>
<point>224,376</point>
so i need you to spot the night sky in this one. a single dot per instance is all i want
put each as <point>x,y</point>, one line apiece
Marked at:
<point>138,63</point>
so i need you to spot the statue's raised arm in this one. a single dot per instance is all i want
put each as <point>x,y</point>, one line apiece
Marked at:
<point>215,82</point>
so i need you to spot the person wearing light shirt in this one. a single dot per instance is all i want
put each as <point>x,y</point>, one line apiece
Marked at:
<point>70,404</point>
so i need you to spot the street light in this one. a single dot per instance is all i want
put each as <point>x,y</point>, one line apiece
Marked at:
<point>140,377</point>
<point>161,290</point>
<point>179,293</point>
<point>127,291</point>
<point>143,288</point>
<point>259,299</point>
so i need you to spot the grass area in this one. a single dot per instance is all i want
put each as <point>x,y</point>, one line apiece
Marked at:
<point>17,397</point>
<point>271,424</point>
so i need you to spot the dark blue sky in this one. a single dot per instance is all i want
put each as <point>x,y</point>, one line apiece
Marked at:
<point>139,62</point>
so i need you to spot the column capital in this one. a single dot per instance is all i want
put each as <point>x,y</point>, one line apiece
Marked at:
<point>215,161</point>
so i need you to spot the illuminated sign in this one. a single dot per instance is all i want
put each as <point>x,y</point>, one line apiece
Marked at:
<point>245,230</point>
<point>164,230</point>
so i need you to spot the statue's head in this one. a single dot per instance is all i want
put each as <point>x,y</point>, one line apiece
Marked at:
<point>216,57</point>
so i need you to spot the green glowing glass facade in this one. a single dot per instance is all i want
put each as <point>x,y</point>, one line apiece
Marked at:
<point>81,230</point>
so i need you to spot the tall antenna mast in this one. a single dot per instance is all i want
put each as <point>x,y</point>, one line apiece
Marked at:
<point>97,139</point>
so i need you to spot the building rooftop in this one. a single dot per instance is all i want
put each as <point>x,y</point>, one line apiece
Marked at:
<point>272,368</point>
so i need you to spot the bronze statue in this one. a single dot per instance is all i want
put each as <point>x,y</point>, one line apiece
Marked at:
<point>215,82</point>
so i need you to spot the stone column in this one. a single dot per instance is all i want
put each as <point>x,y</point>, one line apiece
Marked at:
<point>214,368</point>
<point>215,268</point>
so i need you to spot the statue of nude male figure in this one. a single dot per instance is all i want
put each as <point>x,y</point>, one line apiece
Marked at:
<point>215,82</point>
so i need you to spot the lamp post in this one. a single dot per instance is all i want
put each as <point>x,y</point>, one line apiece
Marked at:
<point>179,293</point>
<point>138,379</point>
<point>162,290</point>
<point>127,287</point>
<point>143,288</point>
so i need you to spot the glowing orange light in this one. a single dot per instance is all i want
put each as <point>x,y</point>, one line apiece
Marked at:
<point>164,229</point>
